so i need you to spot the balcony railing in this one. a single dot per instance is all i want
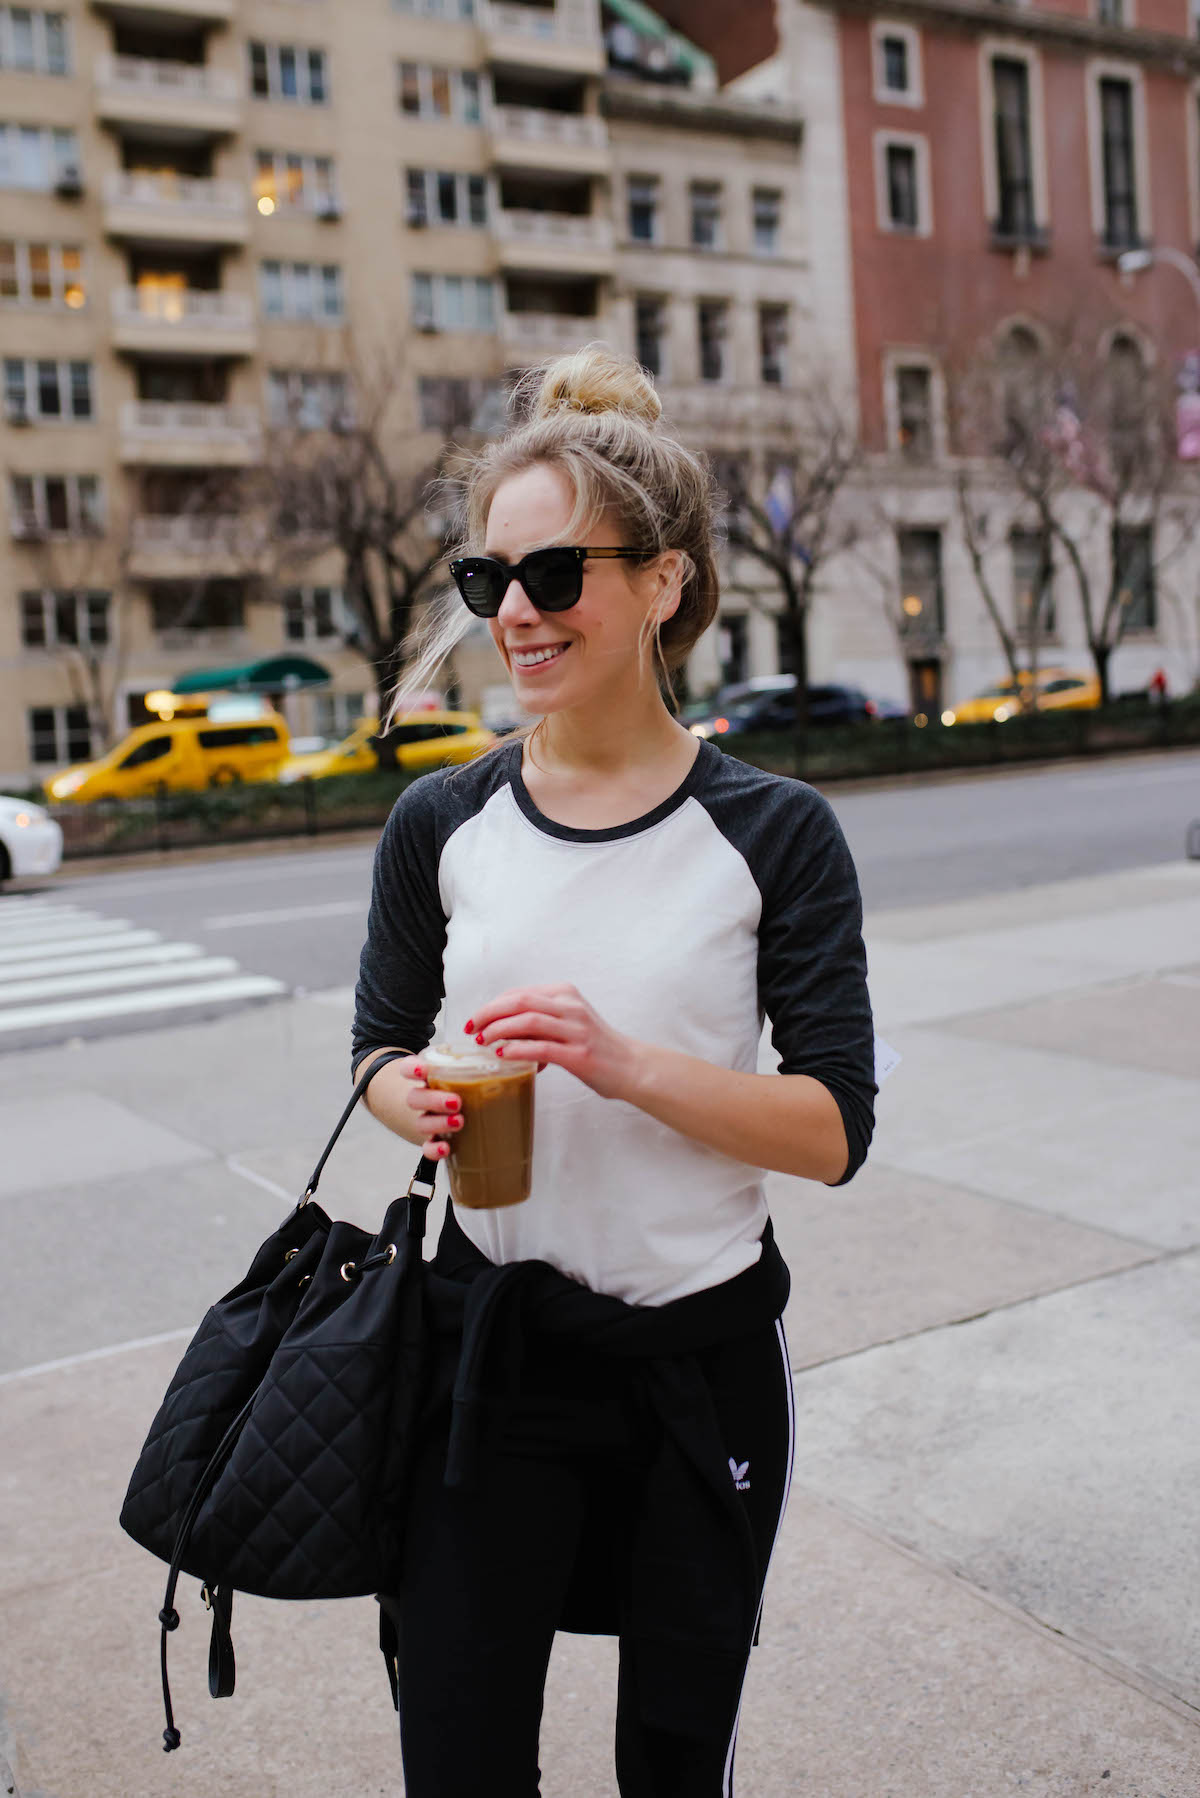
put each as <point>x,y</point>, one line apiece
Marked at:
<point>538,125</point>
<point>565,23</point>
<point>153,78</point>
<point>546,333</point>
<point>185,306</point>
<point>203,536</point>
<point>563,230</point>
<point>182,205</point>
<point>172,430</point>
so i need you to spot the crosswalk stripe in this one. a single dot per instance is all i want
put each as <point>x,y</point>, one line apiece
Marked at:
<point>167,998</point>
<point>50,929</point>
<point>82,945</point>
<point>149,956</point>
<point>205,967</point>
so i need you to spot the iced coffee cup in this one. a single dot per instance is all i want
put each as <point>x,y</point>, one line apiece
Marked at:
<point>491,1157</point>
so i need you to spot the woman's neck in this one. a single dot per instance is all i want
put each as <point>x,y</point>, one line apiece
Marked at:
<point>608,741</point>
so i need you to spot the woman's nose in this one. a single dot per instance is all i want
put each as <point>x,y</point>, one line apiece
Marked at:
<point>516,607</point>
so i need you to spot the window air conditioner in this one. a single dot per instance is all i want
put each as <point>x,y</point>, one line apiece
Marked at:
<point>417,219</point>
<point>429,326</point>
<point>69,184</point>
<point>15,412</point>
<point>328,208</point>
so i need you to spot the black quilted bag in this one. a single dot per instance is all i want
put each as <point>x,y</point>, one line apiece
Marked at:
<point>277,1461</point>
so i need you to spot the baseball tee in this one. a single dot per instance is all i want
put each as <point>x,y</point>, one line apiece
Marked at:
<point>733,901</point>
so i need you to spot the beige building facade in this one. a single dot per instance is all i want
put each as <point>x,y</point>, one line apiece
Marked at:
<point>215,215</point>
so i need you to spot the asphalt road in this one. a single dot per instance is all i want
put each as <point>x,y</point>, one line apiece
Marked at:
<point>298,917</point>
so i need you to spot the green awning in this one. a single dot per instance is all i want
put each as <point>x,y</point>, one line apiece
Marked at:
<point>273,674</point>
<point>648,24</point>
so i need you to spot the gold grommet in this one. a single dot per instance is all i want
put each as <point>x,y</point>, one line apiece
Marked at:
<point>347,1270</point>
<point>291,1254</point>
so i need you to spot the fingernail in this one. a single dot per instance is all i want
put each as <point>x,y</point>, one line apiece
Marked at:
<point>442,1149</point>
<point>469,1026</point>
<point>455,1123</point>
<point>479,1038</point>
<point>499,1048</point>
<point>453,1103</point>
<point>418,1073</point>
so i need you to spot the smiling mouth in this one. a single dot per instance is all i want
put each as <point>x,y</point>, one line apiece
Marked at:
<point>537,658</point>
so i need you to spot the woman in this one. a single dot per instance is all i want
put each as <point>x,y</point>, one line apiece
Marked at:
<point>619,901</point>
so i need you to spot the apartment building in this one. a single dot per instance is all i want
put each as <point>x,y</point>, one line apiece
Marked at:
<point>996,164</point>
<point>215,214</point>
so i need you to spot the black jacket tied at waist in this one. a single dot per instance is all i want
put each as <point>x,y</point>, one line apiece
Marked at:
<point>696,1581</point>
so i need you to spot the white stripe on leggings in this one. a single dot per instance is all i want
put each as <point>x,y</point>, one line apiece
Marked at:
<point>727,1782</point>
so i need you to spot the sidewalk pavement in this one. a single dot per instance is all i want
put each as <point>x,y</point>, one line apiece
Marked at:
<point>987,1580</point>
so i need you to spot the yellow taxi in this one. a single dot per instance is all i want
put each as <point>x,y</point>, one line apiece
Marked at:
<point>181,754</point>
<point>1054,690</point>
<point>422,740</point>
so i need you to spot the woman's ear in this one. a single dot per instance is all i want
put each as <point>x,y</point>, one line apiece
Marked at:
<point>668,590</point>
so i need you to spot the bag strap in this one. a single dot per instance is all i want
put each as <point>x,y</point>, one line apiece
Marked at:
<point>426,1169</point>
<point>218,1598</point>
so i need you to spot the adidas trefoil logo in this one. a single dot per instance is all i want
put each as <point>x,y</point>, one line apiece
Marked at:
<point>739,1470</point>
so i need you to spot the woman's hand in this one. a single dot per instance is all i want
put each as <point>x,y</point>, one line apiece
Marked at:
<point>555,1024</point>
<point>438,1115</point>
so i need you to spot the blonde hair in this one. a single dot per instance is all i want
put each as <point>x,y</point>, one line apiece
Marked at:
<point>596,418</point>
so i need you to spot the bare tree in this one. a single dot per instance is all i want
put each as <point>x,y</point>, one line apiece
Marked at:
<point>794,527</point>
<point>344,481</point>
<point>85,574</point>
<point>1082,443</point>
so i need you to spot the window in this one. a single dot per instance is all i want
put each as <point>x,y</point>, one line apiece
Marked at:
<point>1111,12</point>
<point>894,58</point>
<point>449,403</point>
<point>301,290</point>
<point>642,195</point>
<point>902,203</point>
<point>1117,162</point>
<point>454,302</point>
<point>75,619</point>
<point>59,733</point>
<point>922,605</point>
<point>45,389</point>
<point>197,606</point>
<point>311,613</point>
<point>33,43</point>
<point>237,736</point>
<point>733,646</point>
<point>705,199</point>
<point>650,330</point>
<point>768,208</point>
<point>336,714</point>
<point>1032,584</point>
<point>772,344</point>
<point>1014,153</point>
<point>439,197</point>
<point>58,505</point>
<point>41,274</point>
<point>1133,572</point>
<point>914,412</point>
<point>306,399</point>
<point>285,181</point>
<point>152,750</point>
<point>427,92</point>
<point>37,157</point>
<point>282,72</point>
<point>712,318</point>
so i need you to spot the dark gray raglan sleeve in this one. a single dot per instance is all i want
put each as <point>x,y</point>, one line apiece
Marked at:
<point>400,970</point>
<point>812,965</point>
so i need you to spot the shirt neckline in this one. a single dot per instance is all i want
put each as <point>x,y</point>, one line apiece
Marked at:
<point>569,833</point>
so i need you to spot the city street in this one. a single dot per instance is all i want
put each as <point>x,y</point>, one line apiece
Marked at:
<point>986,1579</point>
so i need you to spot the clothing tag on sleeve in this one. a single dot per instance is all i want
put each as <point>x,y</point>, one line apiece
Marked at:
<point>887,1060</point>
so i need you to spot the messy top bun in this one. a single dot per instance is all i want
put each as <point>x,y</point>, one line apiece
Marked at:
<point>596,417</point>
<point>593,380</point>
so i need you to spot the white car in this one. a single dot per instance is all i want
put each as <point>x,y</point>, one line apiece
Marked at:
<point>30,841</point>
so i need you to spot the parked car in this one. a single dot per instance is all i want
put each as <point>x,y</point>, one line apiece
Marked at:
<point>179,755</point>
<point>1055,689</point>
<point>738,710</point>
<point>420,740</point>
<point>30,841</point>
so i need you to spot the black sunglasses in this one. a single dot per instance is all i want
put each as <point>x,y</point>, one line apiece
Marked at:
<point>553,578</point>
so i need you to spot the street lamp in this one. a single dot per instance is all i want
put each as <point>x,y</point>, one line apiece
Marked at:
<point>1133,262</point>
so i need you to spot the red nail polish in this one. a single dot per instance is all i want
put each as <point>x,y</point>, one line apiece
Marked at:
<point>479,1038</point>
<point>453,1103</point>
<point>469,1026</point>
<point>500,1048</point>
<point>443,1148</point>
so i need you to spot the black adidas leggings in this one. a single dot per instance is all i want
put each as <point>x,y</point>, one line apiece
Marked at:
<point>486,1574</point>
